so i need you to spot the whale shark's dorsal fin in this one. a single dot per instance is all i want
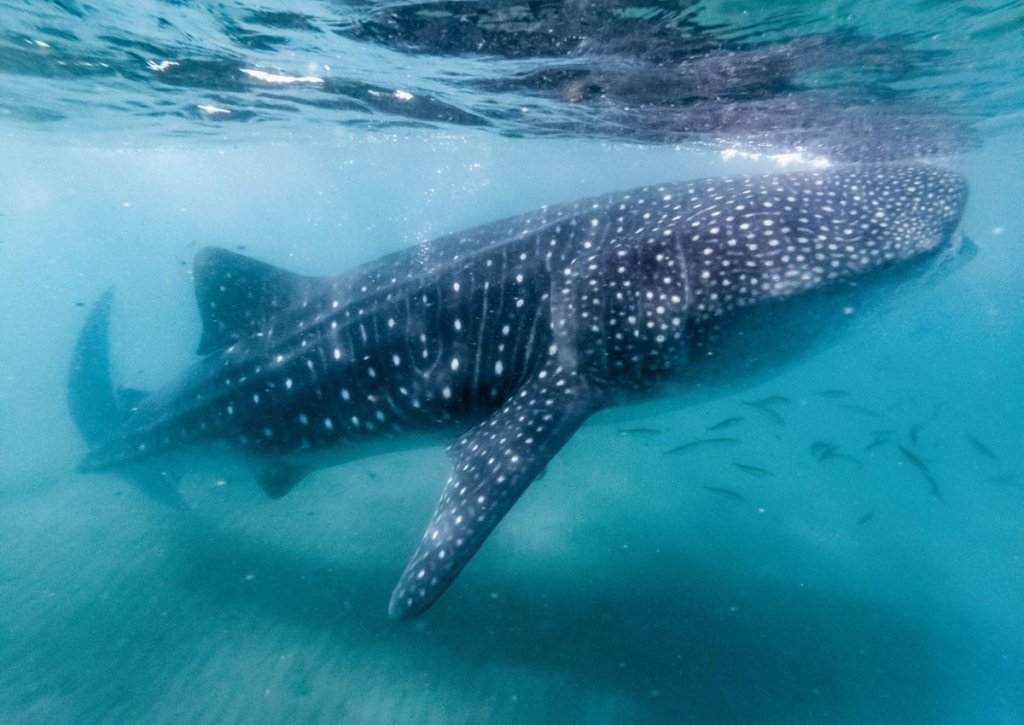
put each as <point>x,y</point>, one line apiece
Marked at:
<point>238,295</point>
<point>492,464</point>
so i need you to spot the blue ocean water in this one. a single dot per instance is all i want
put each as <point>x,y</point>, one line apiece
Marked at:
<point>629,584</point>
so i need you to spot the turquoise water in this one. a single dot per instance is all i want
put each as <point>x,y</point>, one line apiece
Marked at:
<point>629,584</point>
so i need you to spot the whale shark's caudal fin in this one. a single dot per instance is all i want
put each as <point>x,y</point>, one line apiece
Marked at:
<point>238,295</point>
<point>492,464</point>
<point>91,396</point>
<point>97,407</point>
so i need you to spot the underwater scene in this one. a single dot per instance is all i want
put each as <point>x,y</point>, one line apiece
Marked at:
<point>494,361</point>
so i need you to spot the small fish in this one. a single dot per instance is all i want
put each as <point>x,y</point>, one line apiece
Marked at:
<point>700,442</point>
<point>860,409</point>
<point>865,518</point>
<point>922,468</point>
<point>755,471</point>
<point>372,475</point>
<point>79,304</point>
<point>879,437</point>
<point>768,412</point>
<point>1003,478</point>
<point>848,458</point>
<point>726,423</point>
<point>725,492</point>
<point>823,449</point>
<point>241,247</point>
<point>832,393</point>
<point>639,431</point>
<point>981,447</point>
<point>915,432</point>
<point>914,460</point>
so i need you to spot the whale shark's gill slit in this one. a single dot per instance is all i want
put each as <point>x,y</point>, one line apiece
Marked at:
<point>428,357</point>
<point>498,362</point>
<point>479,359</point>
<point>538,327</point>
<point>492,465</point>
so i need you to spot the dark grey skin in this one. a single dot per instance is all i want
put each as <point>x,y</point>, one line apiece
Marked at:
<point>510,334</point>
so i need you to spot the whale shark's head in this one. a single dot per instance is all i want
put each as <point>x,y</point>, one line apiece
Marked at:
<point>770,237</point>
<point>824,250</point>
<point>697,251</point>
<point>925,203</point>
<point>872,234</point>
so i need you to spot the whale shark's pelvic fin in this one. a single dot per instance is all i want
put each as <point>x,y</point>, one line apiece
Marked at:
<point>238,295</point>
<point>278,478</point>
<point>492,464</point>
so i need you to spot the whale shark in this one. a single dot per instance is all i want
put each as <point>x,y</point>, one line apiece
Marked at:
<point>503,339</point>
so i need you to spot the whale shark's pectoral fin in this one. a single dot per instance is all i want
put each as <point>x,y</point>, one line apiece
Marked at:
<point>238,295</point>
<point>492,464</point>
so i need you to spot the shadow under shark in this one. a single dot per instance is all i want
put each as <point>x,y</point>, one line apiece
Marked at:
<point>508,336</point>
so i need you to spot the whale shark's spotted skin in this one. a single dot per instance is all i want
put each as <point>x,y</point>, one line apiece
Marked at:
<point>517,330</point>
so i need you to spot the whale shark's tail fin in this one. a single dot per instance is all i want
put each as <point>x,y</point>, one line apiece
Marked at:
<point>97,407</point>
<point>91,397</point>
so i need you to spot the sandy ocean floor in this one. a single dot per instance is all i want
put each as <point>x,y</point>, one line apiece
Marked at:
<point>620,590</point>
